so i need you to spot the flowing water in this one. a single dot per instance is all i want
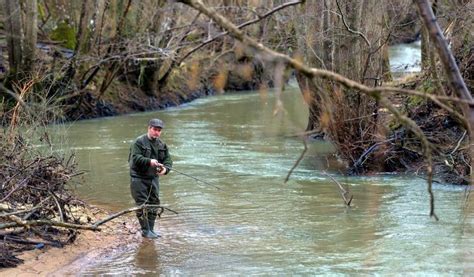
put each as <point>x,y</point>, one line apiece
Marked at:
<point>255,224</point>
<point>405,58</point>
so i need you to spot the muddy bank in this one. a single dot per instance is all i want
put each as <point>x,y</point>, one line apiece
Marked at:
<point>127,94</point>
<point>400,151</point>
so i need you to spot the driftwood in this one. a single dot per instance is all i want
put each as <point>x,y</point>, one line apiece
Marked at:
<point>18,222</point>
<point>113,216</point>
<point>300,158</point>
<point>16,239</point>
<point>344,192</point>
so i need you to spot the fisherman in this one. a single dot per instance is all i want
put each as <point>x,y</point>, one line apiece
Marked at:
<point>149,159</point>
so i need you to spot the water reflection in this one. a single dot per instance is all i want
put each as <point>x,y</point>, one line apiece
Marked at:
<point>147,257</point>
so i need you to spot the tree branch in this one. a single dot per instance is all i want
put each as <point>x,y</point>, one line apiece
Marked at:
<point>349,28</point>
<point>342,190</point>
<point>42,222</point>
<point>141,207</point>
<point>300,158</point>
<point>447,58</point>
<point>18,222</point>
<point>299,66</point>
<point>260,18</point>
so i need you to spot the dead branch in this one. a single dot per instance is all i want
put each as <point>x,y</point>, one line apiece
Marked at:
<point>27,241</point>
<point>300,158</point>
<point>258,19</point>
<point>141,207</point>
<point>18,222</point>
<point>359,33</point>
<point>344,192</point>
<point>60,210</point>
<point>30,211</point>
<point>43,222</point>
<point>367,152</point>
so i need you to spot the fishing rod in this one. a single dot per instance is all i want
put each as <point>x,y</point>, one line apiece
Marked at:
<point>192,177</point>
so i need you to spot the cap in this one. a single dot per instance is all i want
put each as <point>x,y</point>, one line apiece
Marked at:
<point>155,122</point>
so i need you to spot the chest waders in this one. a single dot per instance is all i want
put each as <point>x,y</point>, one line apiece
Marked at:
<point>144,184</point>
<point>145,191</point>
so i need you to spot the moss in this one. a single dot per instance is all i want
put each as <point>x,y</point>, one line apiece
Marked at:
<point>66,34</point>
<point>414,101</point>
<point>41,12</point>
<point>193,36</point>
<point>428,86</point>
<point>141,76</point>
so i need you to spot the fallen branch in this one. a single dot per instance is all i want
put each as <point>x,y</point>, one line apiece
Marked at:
<point>26,241</point>
<point>43,222</point>
<point>342,190</point>
<point>113,216</point>
<point>18,222</point>
<point>360,162</point>
<point>300,158</point>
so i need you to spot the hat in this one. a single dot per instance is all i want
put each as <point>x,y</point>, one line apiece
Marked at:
<point>155,122</point>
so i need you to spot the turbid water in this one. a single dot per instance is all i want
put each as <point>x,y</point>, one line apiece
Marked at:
<point>256,224</point>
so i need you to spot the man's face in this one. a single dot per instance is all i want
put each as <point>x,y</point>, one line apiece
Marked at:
<point>154,132</point>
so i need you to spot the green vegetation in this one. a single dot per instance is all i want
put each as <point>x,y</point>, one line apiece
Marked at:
<point>65,34</point>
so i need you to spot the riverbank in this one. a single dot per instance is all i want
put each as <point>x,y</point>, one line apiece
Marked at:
<point>87,247</point>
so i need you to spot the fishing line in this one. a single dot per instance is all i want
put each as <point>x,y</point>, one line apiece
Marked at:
<point>192,177</point>
<point>210,184</point>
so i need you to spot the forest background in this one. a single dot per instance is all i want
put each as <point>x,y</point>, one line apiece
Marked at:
<point>71,60</point>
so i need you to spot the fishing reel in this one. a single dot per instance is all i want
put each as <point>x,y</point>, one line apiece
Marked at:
<point>160,169</point>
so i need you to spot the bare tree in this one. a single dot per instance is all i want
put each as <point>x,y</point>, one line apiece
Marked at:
<point>31,34</point>
<point>21,33</point>
<point>13,34</point>
<point>341,36</point>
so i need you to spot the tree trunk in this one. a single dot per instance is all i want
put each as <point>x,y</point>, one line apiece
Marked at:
<point>13,35</point>
<point>31,34</point>
<point>425,49</point>
<point>451,69</point>
<point>113,68</point>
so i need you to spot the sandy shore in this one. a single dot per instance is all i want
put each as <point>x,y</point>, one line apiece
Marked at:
<point>87,247</point>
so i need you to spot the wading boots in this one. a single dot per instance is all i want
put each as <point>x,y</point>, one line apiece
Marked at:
<point>151,225</point>
<point>147,228</point>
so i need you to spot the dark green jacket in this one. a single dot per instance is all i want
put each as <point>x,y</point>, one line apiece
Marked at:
<point>142,151</point>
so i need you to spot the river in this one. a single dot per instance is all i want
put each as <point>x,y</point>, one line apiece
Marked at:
<point>254,223</point>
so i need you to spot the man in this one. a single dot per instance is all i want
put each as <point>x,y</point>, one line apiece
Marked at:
<point>149,158</point>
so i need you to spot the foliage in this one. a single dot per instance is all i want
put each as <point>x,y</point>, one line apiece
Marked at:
<point>65,34</point>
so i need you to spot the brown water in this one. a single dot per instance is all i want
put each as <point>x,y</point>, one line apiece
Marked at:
<point>256,224</point>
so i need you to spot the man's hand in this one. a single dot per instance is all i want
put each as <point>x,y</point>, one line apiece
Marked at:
<point>161,169</point>
<point>154,163</point>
